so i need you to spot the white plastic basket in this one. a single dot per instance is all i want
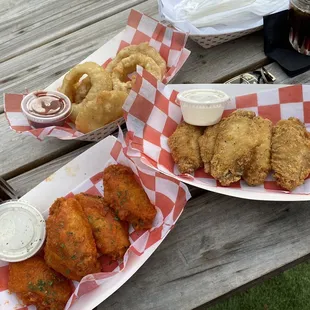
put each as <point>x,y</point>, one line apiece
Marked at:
<point>207,41</point>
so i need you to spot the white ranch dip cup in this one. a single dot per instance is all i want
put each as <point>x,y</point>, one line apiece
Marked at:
<point>202,107</point>
<point>22,231</point>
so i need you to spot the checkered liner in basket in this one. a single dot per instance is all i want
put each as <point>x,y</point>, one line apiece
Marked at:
<point>140,28</point>
<point>150,127</point>
<point>167,194</point>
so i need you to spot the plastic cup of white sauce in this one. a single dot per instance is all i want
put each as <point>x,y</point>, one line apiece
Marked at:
<point>22,231</point>
<point>202,107</point>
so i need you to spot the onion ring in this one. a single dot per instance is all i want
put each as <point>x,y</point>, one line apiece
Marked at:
<point>100,80</point>
<point>142,48</point>
<point>105,109</point>
<point>128,65</point>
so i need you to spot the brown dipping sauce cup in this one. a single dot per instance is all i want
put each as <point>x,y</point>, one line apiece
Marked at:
<point>46,108</point>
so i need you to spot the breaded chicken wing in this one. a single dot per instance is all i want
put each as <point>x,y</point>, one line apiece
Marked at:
<point>36,284</point>
<point>126,196</point>
<point>207,144</point>
<point>237,138</point>
<point>111,234</point>
<point>70,246</point>
<point>290,153</point>
<point>259,166</point>
<point>185,148</point>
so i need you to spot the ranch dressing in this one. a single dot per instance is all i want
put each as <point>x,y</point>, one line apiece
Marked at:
<point>22,232</point>
<point>202,107</point>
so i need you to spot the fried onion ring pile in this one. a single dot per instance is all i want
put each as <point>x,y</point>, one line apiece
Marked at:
<point>97,99</point>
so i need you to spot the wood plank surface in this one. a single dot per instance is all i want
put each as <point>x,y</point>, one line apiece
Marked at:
<point>220,63</point>
<point>24,182</point>
<point>29,24</point>
<point>20,153</point>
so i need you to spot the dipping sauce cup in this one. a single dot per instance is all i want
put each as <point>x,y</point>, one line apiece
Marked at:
<point>202,107</point>
<point>46,108</point>
<point>22,231</point>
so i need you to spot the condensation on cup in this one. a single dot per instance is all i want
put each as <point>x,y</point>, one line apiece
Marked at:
<point>299,18</point>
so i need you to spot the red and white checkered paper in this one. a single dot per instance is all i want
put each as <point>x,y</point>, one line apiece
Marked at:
<point>169,197</point>
<point>149,128</point>
<point>140,28</point>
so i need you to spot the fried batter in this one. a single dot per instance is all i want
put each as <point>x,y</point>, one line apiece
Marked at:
<point>81,90</point>
<point>258,168</point>
<point>70,246</point>
<point>290,153</point>
<point>105,109</point>
<point>185,147</point>
<point>126,196</point>
<point>110,234</point>
<point>234,147</point>
<point>37,284</point>
<point>207,144</point>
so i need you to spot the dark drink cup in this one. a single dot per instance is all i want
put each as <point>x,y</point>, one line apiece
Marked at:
<point>299,18</point>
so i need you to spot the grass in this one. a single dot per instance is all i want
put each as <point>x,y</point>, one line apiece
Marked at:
<point>287,291</point>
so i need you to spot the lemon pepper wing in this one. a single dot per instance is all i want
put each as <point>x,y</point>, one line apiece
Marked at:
<point>290,153</point>
<point>258,168</point>
<point>237,138</point>
<point>185,147</point>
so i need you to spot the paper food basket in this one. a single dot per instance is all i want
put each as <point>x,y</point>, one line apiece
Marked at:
<point>207,41</point>
<point>149,129</point>
<point>168,195</point>
<point>140,28</point>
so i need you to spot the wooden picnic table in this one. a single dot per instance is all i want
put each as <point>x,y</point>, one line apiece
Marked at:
<point>220,244</point>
